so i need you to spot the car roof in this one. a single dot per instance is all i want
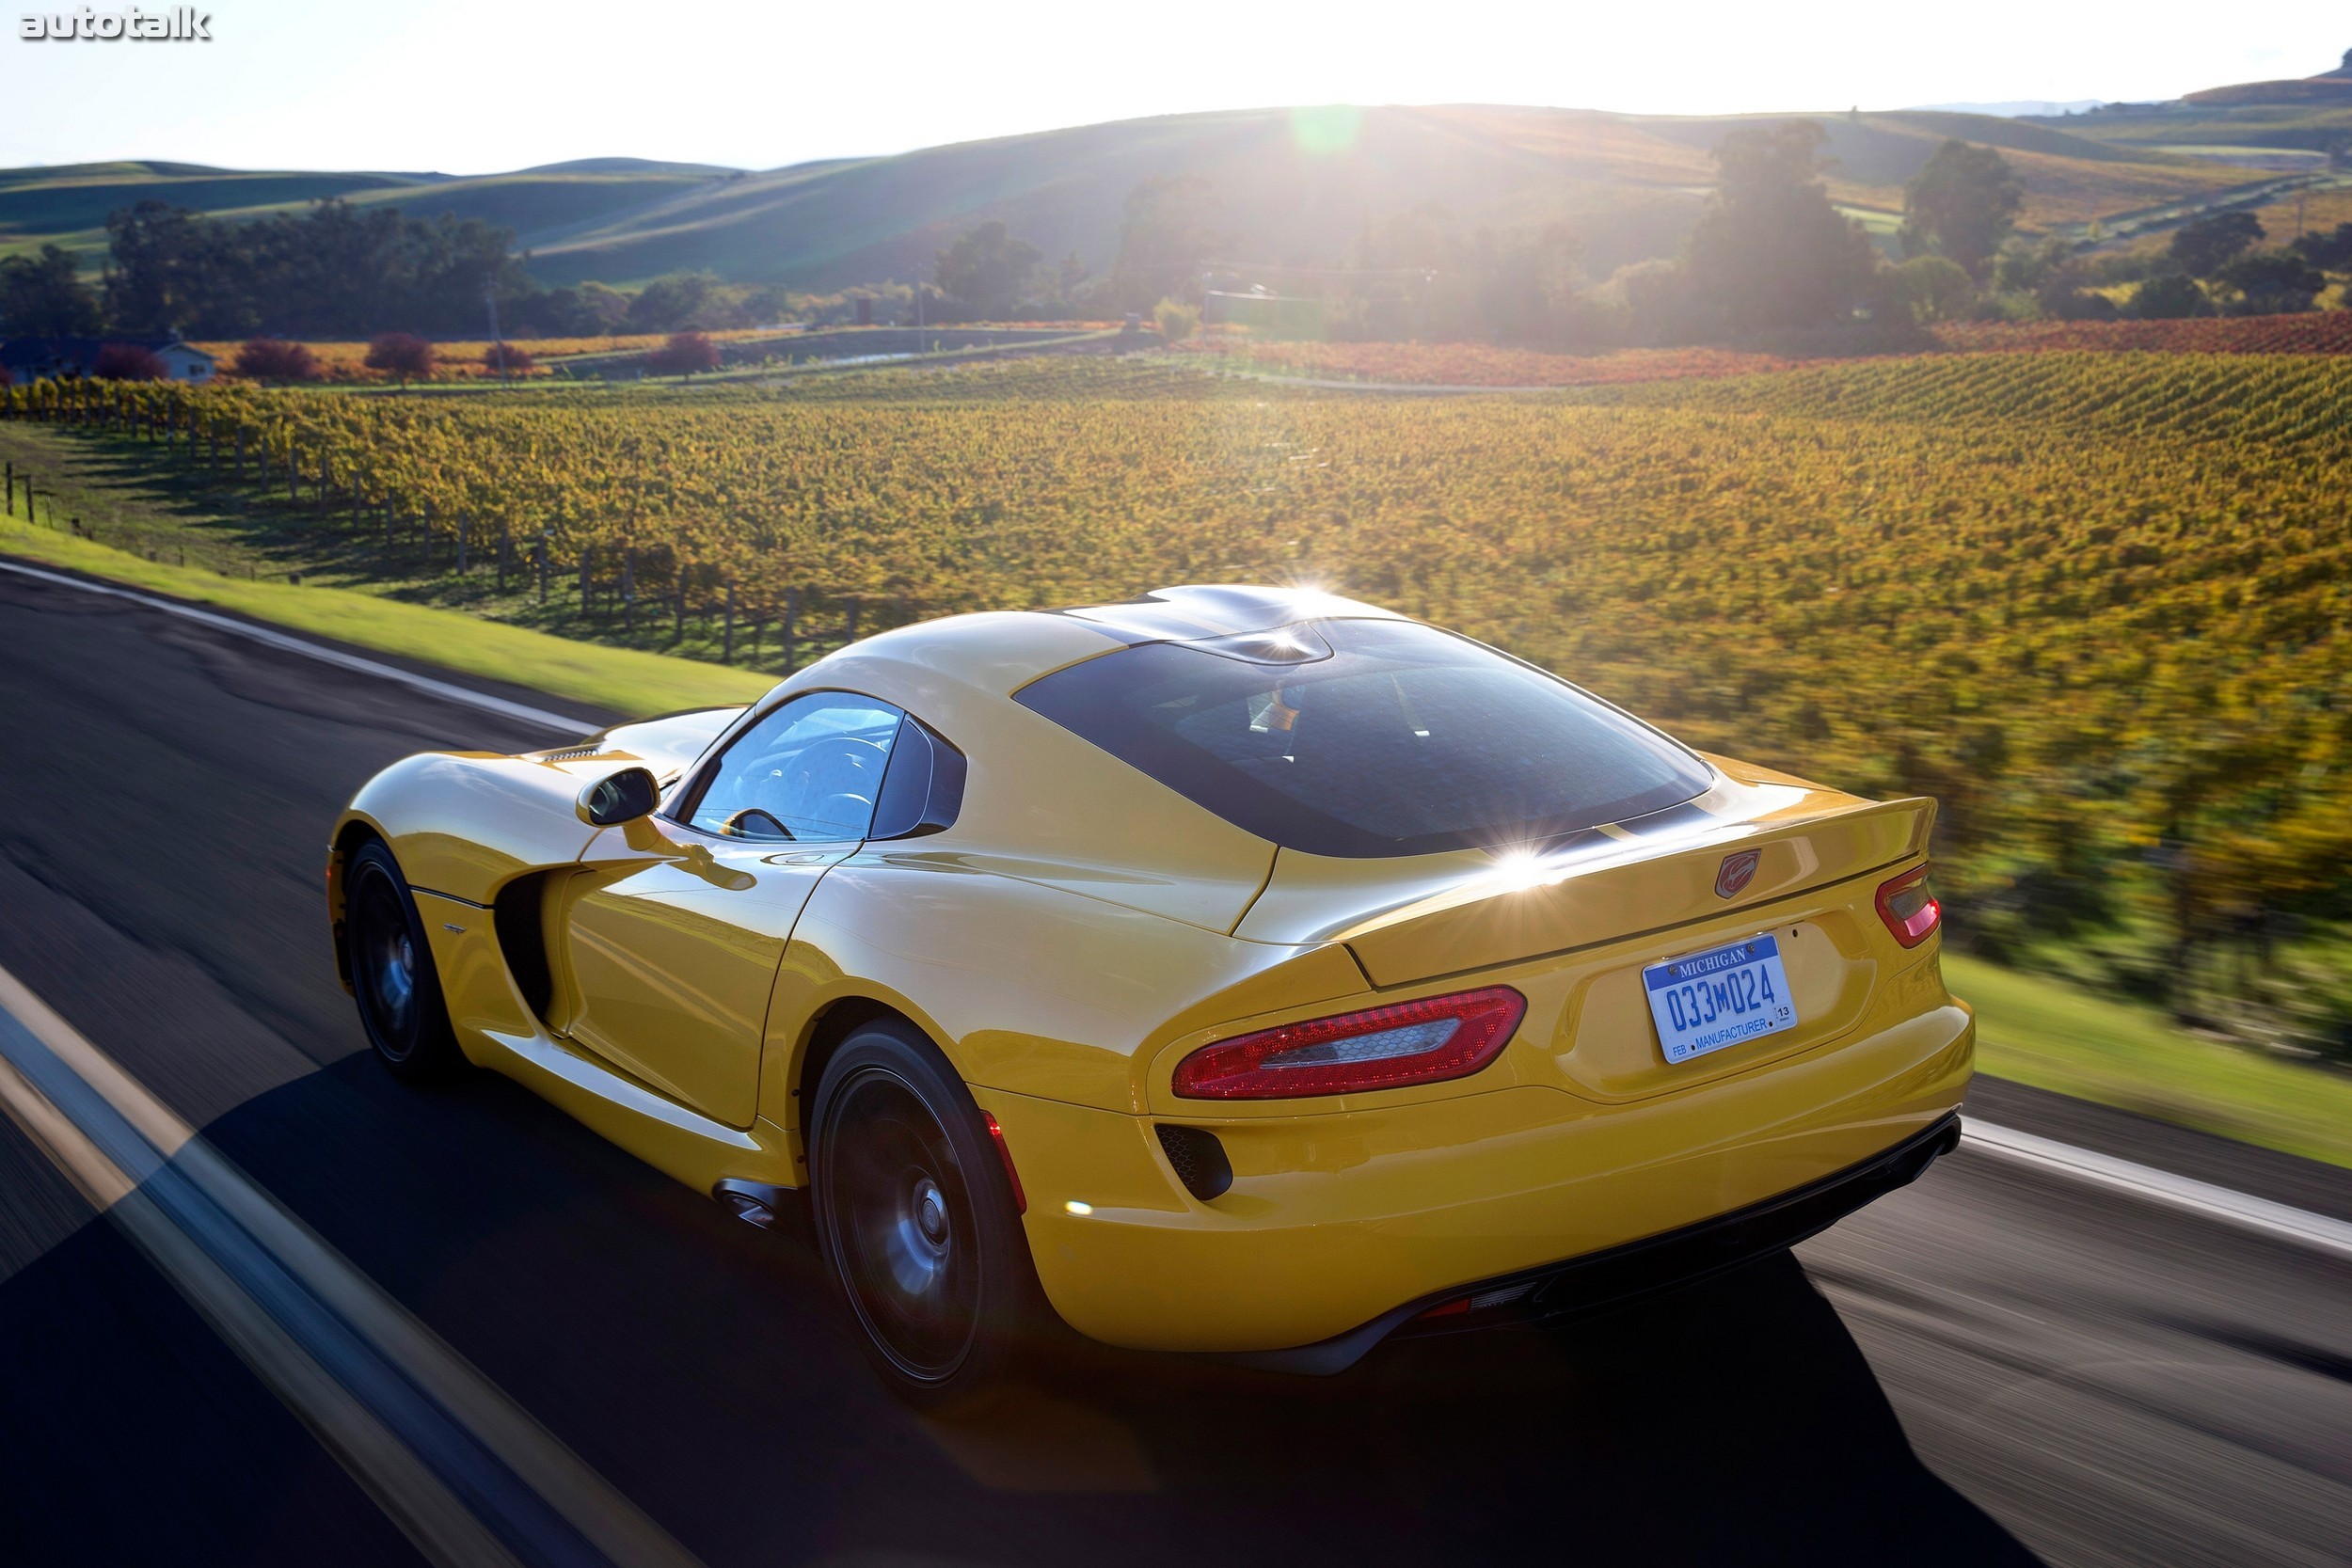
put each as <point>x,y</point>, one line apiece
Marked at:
<point>1003,651</point>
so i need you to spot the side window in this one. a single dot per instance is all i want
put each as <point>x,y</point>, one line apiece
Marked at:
<point>810,771</point>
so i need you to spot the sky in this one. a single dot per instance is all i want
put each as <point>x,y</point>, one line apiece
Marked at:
<point>470,87</point>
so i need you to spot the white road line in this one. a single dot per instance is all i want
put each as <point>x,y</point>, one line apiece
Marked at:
<point>2161,1186</point>
<point>418,1426</point>
<point>287,643</point>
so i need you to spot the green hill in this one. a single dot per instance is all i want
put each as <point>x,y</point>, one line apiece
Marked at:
<point>1294,187</point>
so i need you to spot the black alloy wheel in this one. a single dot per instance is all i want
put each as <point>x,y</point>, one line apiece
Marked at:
<point>918,1220</point>
<point>398,991</point>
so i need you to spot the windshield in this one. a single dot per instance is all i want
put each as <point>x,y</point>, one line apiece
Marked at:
<point>1365,739</point>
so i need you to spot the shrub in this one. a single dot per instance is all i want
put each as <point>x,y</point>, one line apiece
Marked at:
<point>1176,319</point>
<point>127,362</point>
<point>518,360</point>
<point>276,360</point>
<point>683,355</point>
<point>401,355</point>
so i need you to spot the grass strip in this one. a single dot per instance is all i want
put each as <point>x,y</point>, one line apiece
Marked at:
<point>623,680</point>
<point>2055,1035</point>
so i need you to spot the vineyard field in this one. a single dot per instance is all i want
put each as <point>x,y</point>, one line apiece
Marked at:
<point>1450,365</point>
<point>2096,603</point>
<point>2312,332</point>
<point>1482,364</point>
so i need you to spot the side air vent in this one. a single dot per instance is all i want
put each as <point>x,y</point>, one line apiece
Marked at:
<point>1199,1161</point>
<point>515,915</point>
<point>571,753</point>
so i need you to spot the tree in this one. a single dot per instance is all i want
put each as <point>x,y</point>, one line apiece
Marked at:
<point>2170,296</point>
<point>43,295</point>
<point>2274,282</point>
<point>400,355</point>
<point>1962,205</point>
<point>332,271</point>
<point>127,362</point>
<point>683,355</point>
<point>987,271</point>
<point>680,301</point>
<point>1163,240</point>
<point>1771,251</point>
<point>2202,249</point>
<point>591,311</point>
<point>1524,281</point>
<point>275,359</point>
<point>1929,288</point>
<point>2330,252</point>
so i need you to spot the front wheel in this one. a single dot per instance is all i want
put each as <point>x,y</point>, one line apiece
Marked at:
<point>391,970</point>
<point>918,1220</point>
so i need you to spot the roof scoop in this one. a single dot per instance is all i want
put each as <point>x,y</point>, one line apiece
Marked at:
<point>1295,644</point>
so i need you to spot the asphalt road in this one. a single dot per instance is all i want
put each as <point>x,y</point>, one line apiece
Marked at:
<point>1997,1365</point>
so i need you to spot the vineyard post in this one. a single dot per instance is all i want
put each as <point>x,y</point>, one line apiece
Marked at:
<point>240,453</point>
<point>506,549</point>
<point>849,623</point>
<point>727,655</point>
<point>459,528</point>
<point>786,634</point>
<point>678,602</point>
<point>628,592</point>
<point>587,554</point>
<point>388,522</point>
<point>546,540</point>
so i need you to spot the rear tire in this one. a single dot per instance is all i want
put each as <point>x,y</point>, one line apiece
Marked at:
<point>392,975</point>
<point>918,1220</point>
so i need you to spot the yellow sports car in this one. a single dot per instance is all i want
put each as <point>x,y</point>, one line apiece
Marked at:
<point>1234,969</point>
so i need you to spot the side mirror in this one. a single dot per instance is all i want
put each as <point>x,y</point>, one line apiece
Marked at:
<point>622,797</point>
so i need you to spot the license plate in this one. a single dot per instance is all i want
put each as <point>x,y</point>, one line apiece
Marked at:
<point>1721,997</point>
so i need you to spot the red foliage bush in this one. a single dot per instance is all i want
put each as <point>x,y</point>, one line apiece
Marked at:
<point>127,362</point>
<point>276,360</point>
<point>518,360</point>
<point>400,355</point>
<point>683,355</point>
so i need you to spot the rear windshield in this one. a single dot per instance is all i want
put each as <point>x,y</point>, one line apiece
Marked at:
<point>1365,739</point>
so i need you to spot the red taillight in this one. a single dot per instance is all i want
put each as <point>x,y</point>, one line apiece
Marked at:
<point>1908,908</point>
<point>996,1137</point>
<point>1426,1041</point>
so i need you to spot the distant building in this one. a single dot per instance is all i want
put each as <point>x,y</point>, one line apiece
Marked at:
<point>31,359</point>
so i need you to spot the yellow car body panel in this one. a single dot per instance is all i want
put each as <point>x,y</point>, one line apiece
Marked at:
<point>1080,927</point>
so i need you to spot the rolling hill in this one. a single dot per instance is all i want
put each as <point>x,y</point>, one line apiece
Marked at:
<point>1294,187</point>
